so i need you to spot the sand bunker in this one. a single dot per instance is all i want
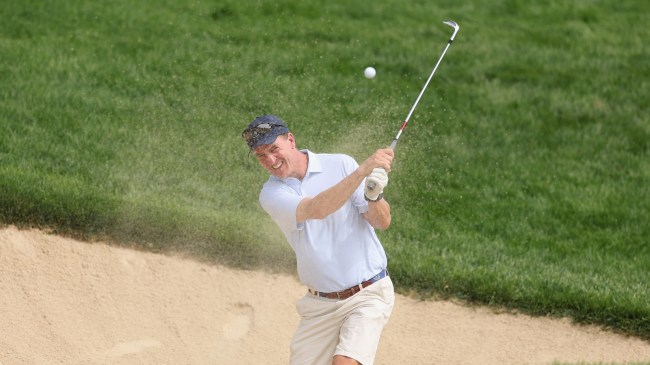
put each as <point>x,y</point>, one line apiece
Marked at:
<point>64,301</point>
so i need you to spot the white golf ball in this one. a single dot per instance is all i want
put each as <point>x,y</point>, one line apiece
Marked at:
<point>369,72</point>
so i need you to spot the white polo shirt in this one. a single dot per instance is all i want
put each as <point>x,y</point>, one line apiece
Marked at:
<point>334,253</point>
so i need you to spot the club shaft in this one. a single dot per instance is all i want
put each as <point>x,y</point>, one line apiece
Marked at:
<point>371,185</point>
<point>399,133</point>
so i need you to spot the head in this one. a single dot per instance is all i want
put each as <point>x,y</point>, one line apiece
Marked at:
<point>274,147</point>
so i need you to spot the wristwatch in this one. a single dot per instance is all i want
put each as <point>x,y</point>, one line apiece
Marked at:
<point>379,197</point>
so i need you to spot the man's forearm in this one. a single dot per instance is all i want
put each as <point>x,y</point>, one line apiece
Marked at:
<point>330,200</point>
<point>378,214</point>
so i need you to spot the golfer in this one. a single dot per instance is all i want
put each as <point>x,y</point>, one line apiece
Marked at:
<point>328,216</point>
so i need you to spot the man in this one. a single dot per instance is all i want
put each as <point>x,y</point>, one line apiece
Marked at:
<point>328,215</point>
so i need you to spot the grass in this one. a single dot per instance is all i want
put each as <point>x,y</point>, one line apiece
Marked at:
<point>521,180</point>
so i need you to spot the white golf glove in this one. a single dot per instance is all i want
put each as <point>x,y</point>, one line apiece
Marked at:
<point>375,184</point>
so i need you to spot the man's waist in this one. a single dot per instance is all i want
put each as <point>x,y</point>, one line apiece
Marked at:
<point>346,293</point>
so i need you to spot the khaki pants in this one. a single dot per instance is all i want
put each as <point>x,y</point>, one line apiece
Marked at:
<point>349,327</point>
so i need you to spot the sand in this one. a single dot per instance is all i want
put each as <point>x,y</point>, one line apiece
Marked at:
<point>63,301</point>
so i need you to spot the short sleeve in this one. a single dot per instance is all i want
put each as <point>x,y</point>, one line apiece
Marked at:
<point>281,203</point>
<point>358,199</point>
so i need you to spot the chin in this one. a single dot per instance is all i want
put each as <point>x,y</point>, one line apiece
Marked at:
<point>280,174</point>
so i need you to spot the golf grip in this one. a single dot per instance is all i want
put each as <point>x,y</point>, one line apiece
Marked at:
<point>371,185</point>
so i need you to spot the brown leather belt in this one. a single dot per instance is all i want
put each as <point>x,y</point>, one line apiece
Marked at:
<point>345,294</point>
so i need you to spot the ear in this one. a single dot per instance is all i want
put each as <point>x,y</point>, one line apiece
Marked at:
<point>292,140</point>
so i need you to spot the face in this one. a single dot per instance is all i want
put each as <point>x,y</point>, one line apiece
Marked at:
<point>279,158</point>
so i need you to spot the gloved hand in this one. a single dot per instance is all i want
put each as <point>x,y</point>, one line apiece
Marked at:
<point>375,184</point>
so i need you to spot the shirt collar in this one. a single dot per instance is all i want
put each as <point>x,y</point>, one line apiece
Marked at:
<point>314,164</point>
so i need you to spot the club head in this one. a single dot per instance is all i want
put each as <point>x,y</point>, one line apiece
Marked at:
<point>452,24</point>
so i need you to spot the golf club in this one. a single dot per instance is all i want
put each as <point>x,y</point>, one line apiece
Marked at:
<point>451,23</point>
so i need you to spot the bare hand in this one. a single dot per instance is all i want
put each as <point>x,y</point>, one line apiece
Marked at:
<point>382,158</point>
